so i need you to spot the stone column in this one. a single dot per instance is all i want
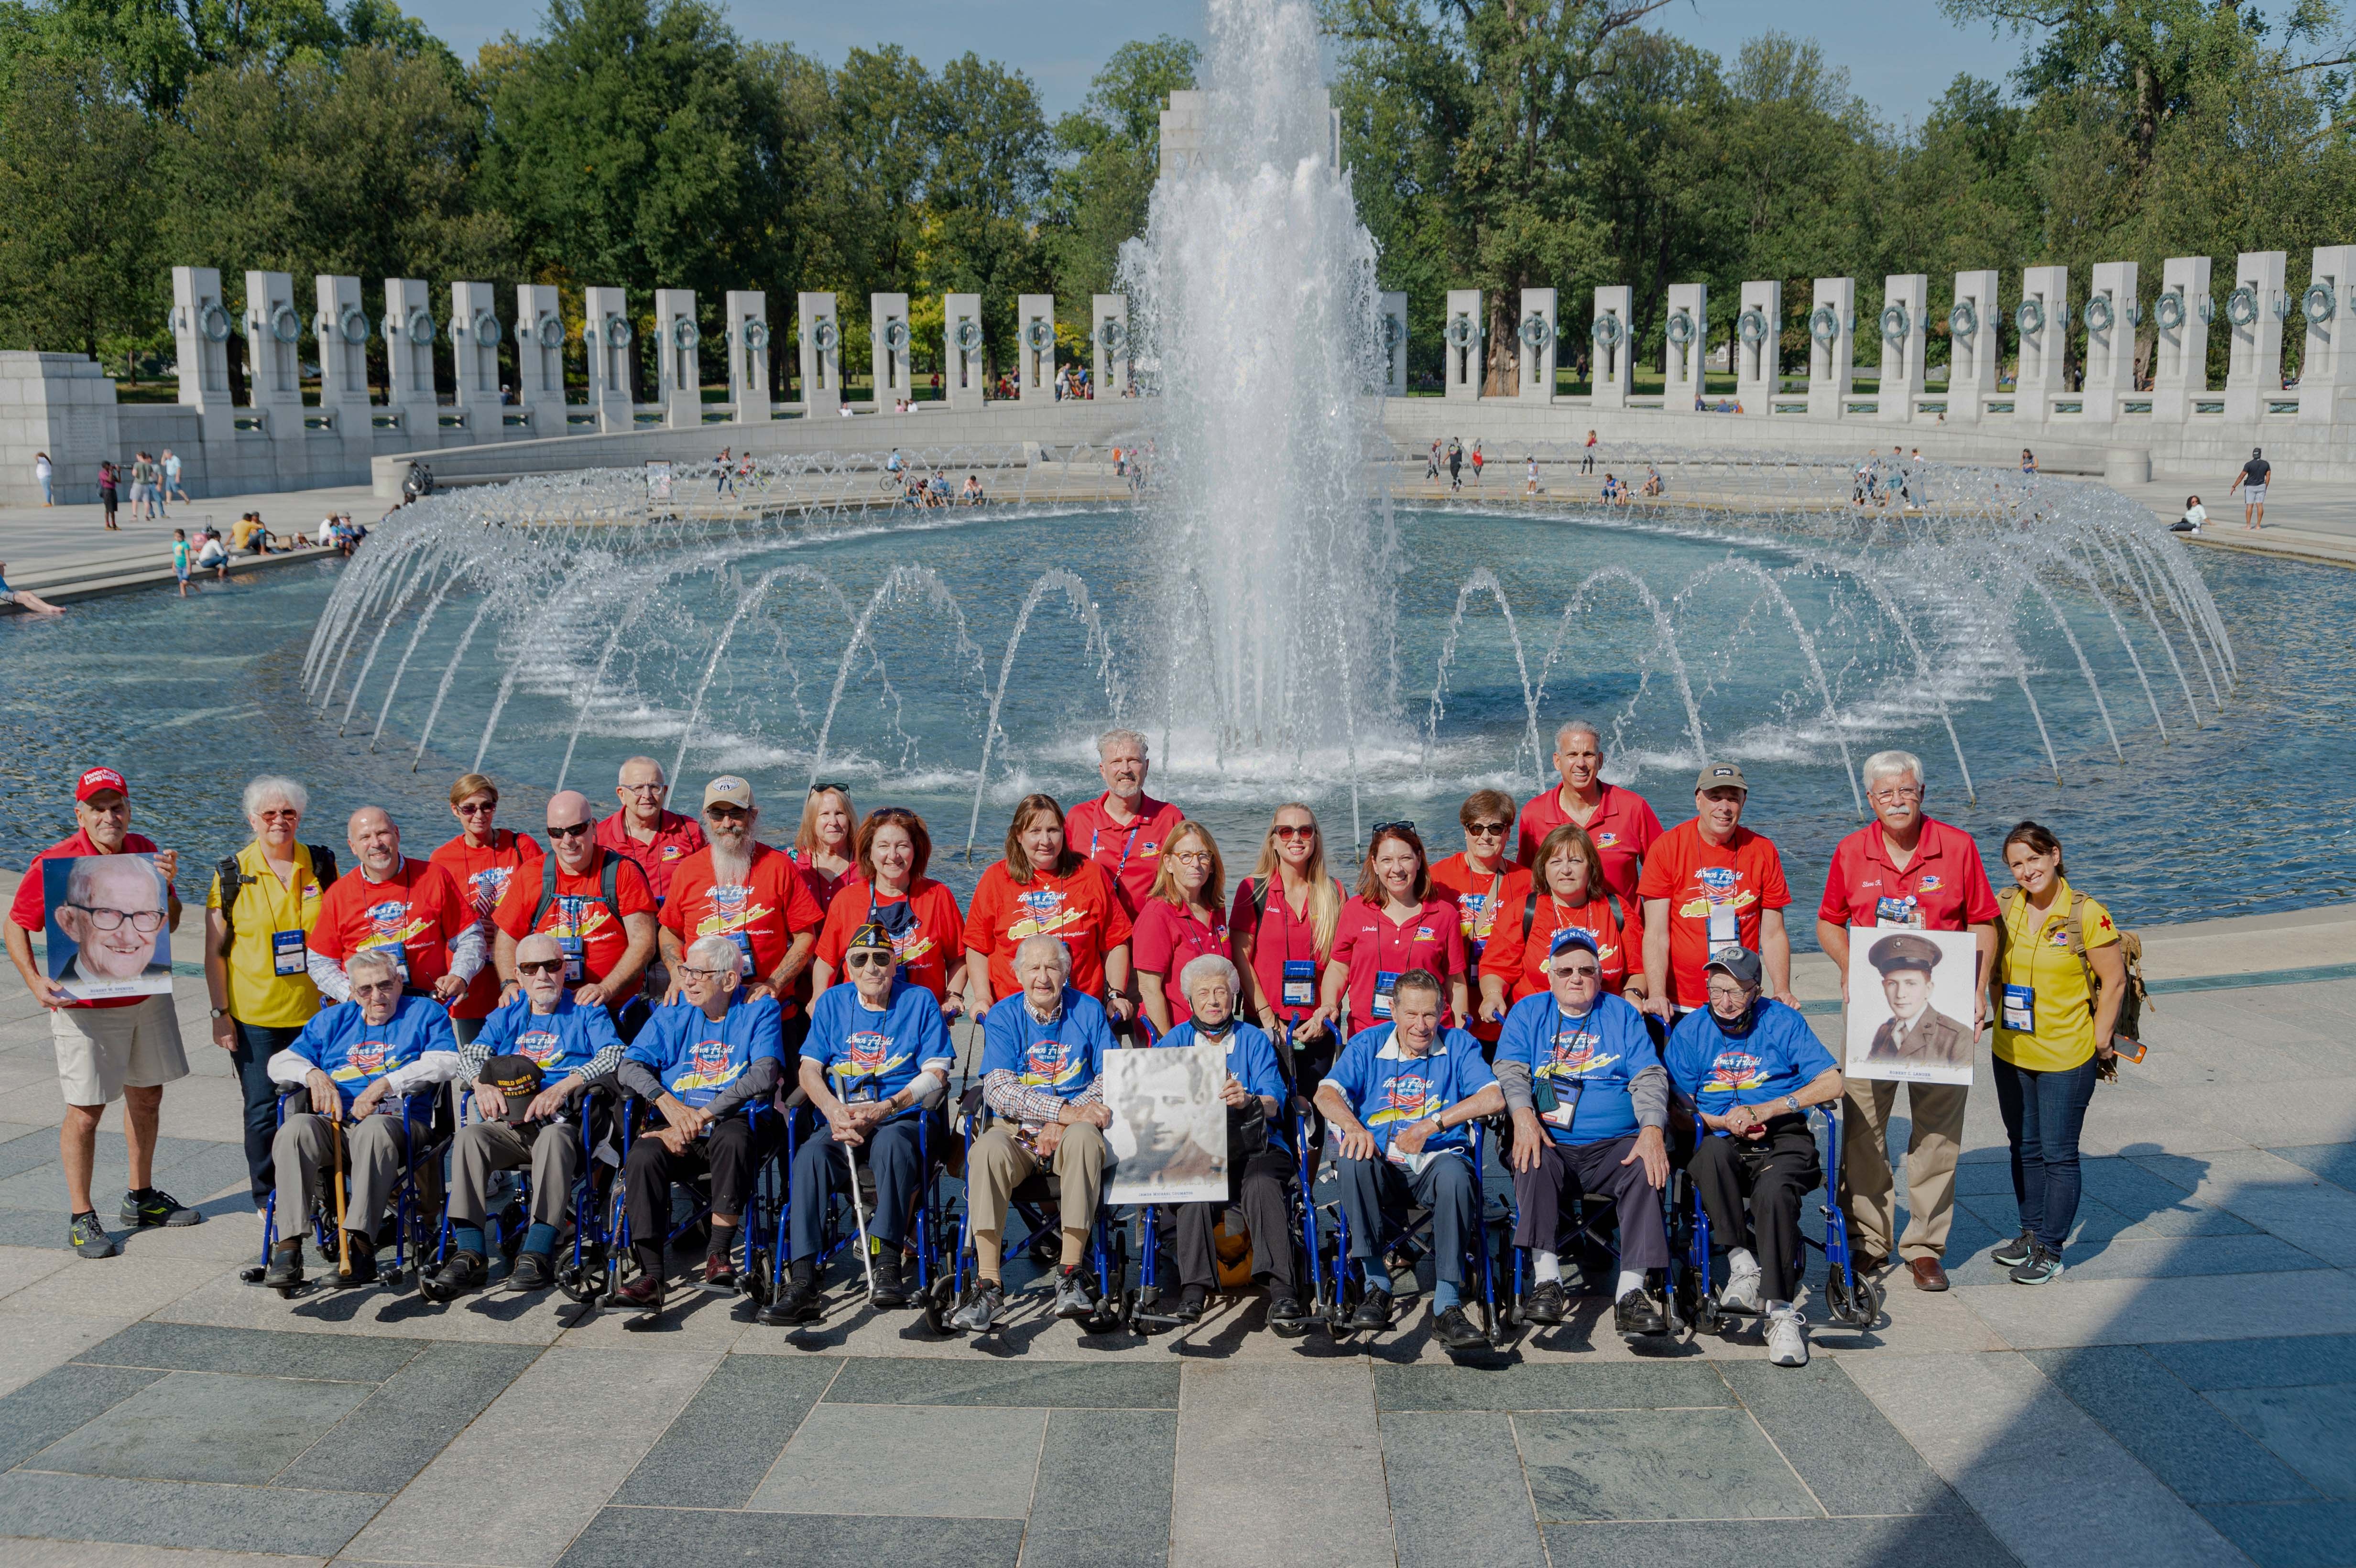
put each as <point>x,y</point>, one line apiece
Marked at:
<point>2327,313</point>
<point>1614,349</point>
<point>821,354</point>
<point>1905,329</point>
<point>342,329</point>
<point>1390,344</point>
<point>1540,325</point>
<point>1975,345</point>
<point>1683,365</point>
<point>2042,318</point>
<point>963,376</point>
<point>748,355</point>
<point>1832,347</point>
<point>1759,347</point>
<point>2111,305</point>
<point>606,335</point>
<point>680,342</point>
<point>409,328</point>
<point>1109,348</point>
<point>2180,319</point>
<point>273,362</point>
<point>1460,335</point>
<point>540,360</point>
<point>888,338</point>
<point>475,348</point>
<point>1035,348</point>
<point>2254,335</point>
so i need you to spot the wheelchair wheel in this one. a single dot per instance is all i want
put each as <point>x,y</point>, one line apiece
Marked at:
<point>1859,1306</point>
<point>589,1283</point>
<point>938,1302</point>
<point>754,1280</point>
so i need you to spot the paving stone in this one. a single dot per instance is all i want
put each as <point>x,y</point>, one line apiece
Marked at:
<point>1457,1491</point>
<point>124,1286</point>
<point>715,1454</point>
<point>195,1347</point>
<point>2313,1429</point>
<point>1844,1449</point>
<point>114,1554</point>
<point>2126,1257</point>
<point>2291,1535</point>
<point>2335,1163</point>
<point>1246,1499</point>
<point>968,1463</point>
<point>1031,1384</point>
<point>1103,1495</point>
<point>1627,1385</point>
<point>2150,1311</point>
<point>634,1537</point>
<point>205,1426</point>
<point>2262,1363</point>
<point>2203,1456</point>
<point>411,1417</point>
<point>55,1403</point>
<point>180,1513</point>
<point>1657,1463</point>
<point>1957,1540</point>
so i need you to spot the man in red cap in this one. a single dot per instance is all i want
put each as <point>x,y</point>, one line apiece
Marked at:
<point>124,1048</point>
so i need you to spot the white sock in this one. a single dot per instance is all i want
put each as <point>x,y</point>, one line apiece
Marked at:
<point>1740,1261</point>
<point>1546,1265</point>
<point>1630,1279</point>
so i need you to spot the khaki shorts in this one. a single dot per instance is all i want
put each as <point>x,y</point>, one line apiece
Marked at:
<point>102,1050</point>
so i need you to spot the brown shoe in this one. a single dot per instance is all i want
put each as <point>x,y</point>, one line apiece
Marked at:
<point>1928,1274</point>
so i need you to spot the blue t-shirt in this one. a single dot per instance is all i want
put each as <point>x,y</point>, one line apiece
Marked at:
<point>1718,1071</point>
<point>1251,1062</point>
<point>1590,1062</point>
<point>342,1043</point>
<point>1387,1089</point>
<point>1063,1058</point>
<point>560,1043</point>
<point>871,1055</point>
<point>695,1057</point>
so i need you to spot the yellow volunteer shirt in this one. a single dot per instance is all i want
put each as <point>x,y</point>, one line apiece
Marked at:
<point>2033,950</point>
<point>257,994</point>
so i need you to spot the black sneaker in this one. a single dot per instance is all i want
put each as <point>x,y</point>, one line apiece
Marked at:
<point>2016,1252</point>
<point>1374,1313</point>
<point>156,1207</point>
<point>533,1271</point>
<point>1455,1331</point>
<point>2043,1266</point>
<point>1546,1303</point>
<point>89,1238</point>
<point>1637,1316</point>
<point>286,1269</point>
<point>464,1272</point>
<point>888,1295</point>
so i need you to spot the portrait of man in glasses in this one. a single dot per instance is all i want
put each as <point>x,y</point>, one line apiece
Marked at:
<point>107,924</point>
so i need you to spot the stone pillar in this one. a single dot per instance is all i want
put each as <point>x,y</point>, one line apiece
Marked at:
<point>274,356</point>
<point>888,340</point>
<point>2254,335</point>
<point>1540,325</point>
<point>1109,353</point>
<point>1974,345</point>
<point>1684,364</point>
<point>200,327</point>
<point>679,341</point>
<point>1391,342</point>
<point>606,335</point>
<point>1904,328</point>
<point>409,328</point>
<point>748,355</point>
<point>821,354</point>
<point>963,376</point>
<point>64,405</point>
<point>1035,348</point>
<point>1461,354</point>
<point>2180,319</point>
<point>1759,347</point>
<point>1613,335</point>
<point>2111,305</point>
<point>2042,318</point>
<point>1832,347</point>
<point>342,329</point>
<point>540,359</point>
<point>475,348</point>
<point>2326,368</point>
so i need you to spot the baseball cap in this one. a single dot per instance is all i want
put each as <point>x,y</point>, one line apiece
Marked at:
<point>728,787</point>
<point>871,934</point>
<point>96,779</point>
<point>1738,963</point>
<point>1569,936</point>
<point>1718,775</point>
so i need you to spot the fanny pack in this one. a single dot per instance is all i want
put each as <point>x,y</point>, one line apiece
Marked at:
<point>519,1078</point>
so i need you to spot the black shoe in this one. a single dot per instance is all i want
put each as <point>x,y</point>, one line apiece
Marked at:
<point>1284,1316</point>
<point>533,1271</point>
<point>1545,1302</point>
<point>2016,1252</point>
<point>1374,1313</point>
<point>889,1295</point>
<point>644,1294</point>
<point>1637,1316</point>
<point>1455,1331</point>
<point>286,1270</point>
<point>462,1273</point>
<point>798,1303</point>
<point>88,1237</point>
<point>156,1207</point>
<point>1191,1302</point>
<point>363,1251</point>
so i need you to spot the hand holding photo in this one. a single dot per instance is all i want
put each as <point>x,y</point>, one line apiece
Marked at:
<point>1911,1006</point>
<point>1169,1124</point>
<point>107,919</point>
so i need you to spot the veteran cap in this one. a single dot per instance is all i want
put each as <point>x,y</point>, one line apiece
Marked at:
<point>1740,963</point>
<point>729,789</point>
<point>1905,951</point>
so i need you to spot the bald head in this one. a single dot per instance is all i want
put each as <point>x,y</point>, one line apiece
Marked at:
<point>571,831</point>
<point>375,840</point>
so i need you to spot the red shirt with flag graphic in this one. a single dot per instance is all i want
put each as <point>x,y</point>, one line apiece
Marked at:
<point>415,913</point>
<point>482,876</point>
<point>577,909</point>
<point>764,912</point>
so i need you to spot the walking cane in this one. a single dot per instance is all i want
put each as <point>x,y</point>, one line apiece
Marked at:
<point>342,1233</point>
<point>866,1257</point>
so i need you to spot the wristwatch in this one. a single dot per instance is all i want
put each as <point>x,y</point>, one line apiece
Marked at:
<point>220,1012</point>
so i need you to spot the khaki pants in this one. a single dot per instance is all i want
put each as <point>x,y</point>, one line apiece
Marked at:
<point>483,1147</point>
<point>373,1149</point>
<point>1937,1111</point>
<point>999,1165</point>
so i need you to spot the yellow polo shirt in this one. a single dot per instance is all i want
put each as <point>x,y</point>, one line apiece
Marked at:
<point>2033,950</point>
<point>257,994</point>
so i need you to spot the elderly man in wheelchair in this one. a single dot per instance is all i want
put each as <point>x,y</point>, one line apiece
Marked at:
<point>360,1061</point>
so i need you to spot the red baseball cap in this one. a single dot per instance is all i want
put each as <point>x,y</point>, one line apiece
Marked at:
<point>96,779</point>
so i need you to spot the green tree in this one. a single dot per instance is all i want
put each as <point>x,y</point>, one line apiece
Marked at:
<point>78,259</point>
<point>1110,155</point>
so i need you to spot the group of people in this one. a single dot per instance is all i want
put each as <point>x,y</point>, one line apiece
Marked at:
<point>152,482</point>
<point>1614,997</point>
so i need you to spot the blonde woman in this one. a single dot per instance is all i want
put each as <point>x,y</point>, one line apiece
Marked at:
<point>1184,918</point>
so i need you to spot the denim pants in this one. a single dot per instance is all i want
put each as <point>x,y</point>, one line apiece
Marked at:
<point>2042,1114</point>
<point>256,1044</point>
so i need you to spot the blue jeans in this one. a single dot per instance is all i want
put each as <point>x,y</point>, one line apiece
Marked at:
<point>2042,1114</point>
<point>251,1055</point>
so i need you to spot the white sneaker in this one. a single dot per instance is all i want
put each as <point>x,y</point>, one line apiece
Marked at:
<point>1740,1292</point>
<point>1787,1339</point>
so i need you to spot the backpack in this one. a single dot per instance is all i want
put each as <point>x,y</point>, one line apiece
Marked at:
<point>2130,1022</point>
<point>609,876</point>
<point>233,882</point>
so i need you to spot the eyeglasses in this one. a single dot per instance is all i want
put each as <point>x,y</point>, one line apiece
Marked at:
<point>1576,971</point>
<point>376,988</point>
<point>278,813</point>
<point>1191,858</point>
<point>1288,831</point>
<point>1486,830</point>
<point>476,807</point>
<point>1914,792</point>
<point>707,974</point>
<point>573,831</point>
<point>1380,829</point>
<point>658,787</point>
<point>723,811</point>
<point>141,921</point>
<point>867,960</point>
<point>539,966</point>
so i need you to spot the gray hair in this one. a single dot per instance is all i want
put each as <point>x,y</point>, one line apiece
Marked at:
<point>1205,966</point>
<point>81,880</point>
<point>713,953</point>
<point>1585,727</point>
<point>270,788</point>
<point>1111,738</point>
<point>1053,944</point>
<point>544,946</point>
<point>1892,765</point>
<point>372,958</point>
<point>660,772</point>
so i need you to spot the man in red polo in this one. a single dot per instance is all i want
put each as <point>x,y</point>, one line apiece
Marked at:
<point>1904,870</point>
<point>115,1048</point>
<point>409,910</point>
<point>1710,883</point>
<point>644,831</point>
<point>1618,821</point>
<point>739,888</point>
<point>1124,829</point>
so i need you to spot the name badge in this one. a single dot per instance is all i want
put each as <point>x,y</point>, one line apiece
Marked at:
<point>1725,925</point>
<point>286,953</point>
<point>571,947</point>
<point>1385,983</point>
<point>1903,913</point>
<point>2020,1009</point>
<point>743,952</point>
<point>1300,983</point>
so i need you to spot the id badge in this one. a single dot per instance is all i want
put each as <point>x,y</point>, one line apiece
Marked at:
<point>2020,1009</point>
<point>1904,913</point>
<point>743,952</point>
<point>399,957</point>
<point>573,969</point>
<point>1725,925</point>
<point>1300,983</point>
<point>1385,983</point>
<point>286,956</point>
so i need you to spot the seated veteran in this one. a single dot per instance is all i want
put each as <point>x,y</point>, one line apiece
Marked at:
<point>698,1062</point>
<point>876,1065</point>
<point>360,1061</point>
<point>1589,1098</point>
<point>1399,1095</point>
<point>530,1066</point>
<point>1751,1066</point>
<point>1043,1079</point>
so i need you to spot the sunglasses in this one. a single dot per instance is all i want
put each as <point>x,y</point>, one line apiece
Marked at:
<point>723,811</point>
<point>1486,830</point>
<point>477,807</point>
<point>840,789</point>
<point>541,966</point>
<point>1573,971</point>
<point>1288,831</point>
<point>867,960</point>
<point>573,832</point>
<point>1380,829</point>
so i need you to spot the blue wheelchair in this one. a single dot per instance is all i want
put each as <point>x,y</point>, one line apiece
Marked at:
<point>619,1264</point>
<point>409,1228</point>
<point>1854,1301</point>
<point>936,1287</point>
<point>1034,1202</point>
<point>584,1271</point>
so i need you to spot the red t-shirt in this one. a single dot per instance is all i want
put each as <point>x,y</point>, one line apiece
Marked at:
<point>1745,875</point>
<point>1131,856</point>
<point>1265,941</point>
<point>1479,896</point>
<point>1623,829</point>
<point>763,914</point>
<point>1521,960</point>
<point>578,911</point>
<point>482,876</point>
<point>414,914</point>
<point>1943,888</point>
<point>933,944</point>
<point>1083,909</point>
<point>1168,938</point>
<point>676,837</point>
<point>30,907</point>
<point>822,888</point>
<point>1373,945</point>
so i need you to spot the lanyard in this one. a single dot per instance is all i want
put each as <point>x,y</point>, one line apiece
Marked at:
<point>1277,905</point>
<point>1096,832</point>
<point>1385,929</point>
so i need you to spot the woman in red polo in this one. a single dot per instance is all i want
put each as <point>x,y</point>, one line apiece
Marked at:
<point>1570,895</point>
<point>1045,888</point>
<point>1484,883</point>
<point>1394,924</point>
<point>1182,919</point>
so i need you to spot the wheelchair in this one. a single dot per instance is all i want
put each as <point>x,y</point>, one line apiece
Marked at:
<point>1592,1238</point>
<point>1342,1283</point>
<point>1034,1201</point>
<point>619,1265</point>
<point>1852,1301</point>
<point>585,1271</point>
<point>935,1292</point>
<point>427,1126</point>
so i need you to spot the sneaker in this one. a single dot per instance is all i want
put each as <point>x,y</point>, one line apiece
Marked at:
<point>1374,1313</point>
<point>1074,1295</point>
<point>286,1269</point>
<point>156,1207</point>
<point>1740,1292</point>
<point>1546,1303</point>
<point>889,1295</point>
<point>2016,1252</point>
<point>462,1273</point>
<point>720,1274</point>
<point>1787,1339</point>
<point>977,1315</point>
<point>2043,1267</point>
<point>1455,1331</point>
<point>89,1238</point>
<point>1637,1315</point>
<point>533,1271</point>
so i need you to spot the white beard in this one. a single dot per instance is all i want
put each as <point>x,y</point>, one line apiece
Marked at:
<point>731,866</point>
